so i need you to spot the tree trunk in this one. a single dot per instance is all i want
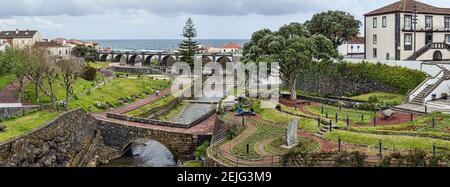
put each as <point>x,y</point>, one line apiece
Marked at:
<point>67,97</point>
<point>36,90</point>
<point>19,99</point>
<point>293,88</point>
<point>52,93</point>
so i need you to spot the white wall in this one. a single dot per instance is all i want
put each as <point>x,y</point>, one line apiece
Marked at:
<point>346,49</point>
<point>385,37</point>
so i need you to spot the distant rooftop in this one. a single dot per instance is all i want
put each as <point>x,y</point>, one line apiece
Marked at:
<point>231,46</point>
<point>48,44</point>
<point>357,40</point>
<point>407,6</point>
<point>17,34</point>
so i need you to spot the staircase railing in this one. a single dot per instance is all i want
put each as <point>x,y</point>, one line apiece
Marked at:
<point>424,84</point>
<point>424,49</point>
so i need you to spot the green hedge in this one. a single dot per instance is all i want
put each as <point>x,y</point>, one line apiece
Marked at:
<point>401,78</point>
<point>350,79</point>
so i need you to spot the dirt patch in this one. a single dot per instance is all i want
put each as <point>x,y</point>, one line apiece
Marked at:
<point>301,105</point>
<point>9,93</point>
<point>398,118</point>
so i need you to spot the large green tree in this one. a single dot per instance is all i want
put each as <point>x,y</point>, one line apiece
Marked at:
<point>293,47</point>
<point>338,26</point>
<point>89,53</point>
<point>188,46</point>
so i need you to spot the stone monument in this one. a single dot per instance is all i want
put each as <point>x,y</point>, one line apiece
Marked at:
<point>291,134</point>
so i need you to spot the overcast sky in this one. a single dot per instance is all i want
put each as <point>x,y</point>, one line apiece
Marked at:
<point>164,19</point>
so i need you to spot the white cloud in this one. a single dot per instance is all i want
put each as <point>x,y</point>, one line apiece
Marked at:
<point>125,19</point>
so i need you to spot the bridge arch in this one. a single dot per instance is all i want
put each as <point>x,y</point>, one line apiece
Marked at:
<point>105,57</point>
<point>168,60</point>
<point>135,59</point>
<point>206,59</point>
<point>224,60</point>
<point>120,58</point>
<point>151,60</point>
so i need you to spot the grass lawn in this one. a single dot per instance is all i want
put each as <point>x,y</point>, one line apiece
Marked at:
<point>383,97</point>
<point>118,88</point>
<point>81,86</point>
<point>141,112</point>
<point>192,164</point>
<point>99,64</point>
<point>24,124</point>
<point>421,125</point>
<point>389,141</point>
<point>263,131</point>
<point>282,119</point>
<point>354,115</point>
<point>174,113</point>
<point>304,144</point>
<point>5,80</point>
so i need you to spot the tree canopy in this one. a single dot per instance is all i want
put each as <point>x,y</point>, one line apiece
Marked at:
<point>338,26</point>
<point>188,46</point>
<point>293,46</point>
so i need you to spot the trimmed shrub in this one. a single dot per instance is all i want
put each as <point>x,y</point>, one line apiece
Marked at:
<point>90,73</point>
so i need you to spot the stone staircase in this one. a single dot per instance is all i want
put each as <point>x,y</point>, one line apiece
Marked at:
<point>424,49</point>
<point>420,98</point>
<point>324,130</point>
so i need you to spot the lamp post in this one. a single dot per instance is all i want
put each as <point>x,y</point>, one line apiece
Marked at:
<point>414,19</point>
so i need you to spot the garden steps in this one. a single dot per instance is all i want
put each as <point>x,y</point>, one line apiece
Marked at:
<point>324,130</point>
<point>420,98</point>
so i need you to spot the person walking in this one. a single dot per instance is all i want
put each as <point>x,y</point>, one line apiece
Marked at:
<point>157,93</point>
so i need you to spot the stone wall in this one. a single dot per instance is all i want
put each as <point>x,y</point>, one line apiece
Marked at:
<point>148,121</point>
<point>70,140</point>
<point>135,70</point>
<point>163,109</point>
<point>10,111</point>
<point>77,139</point>
<point>119,137</point>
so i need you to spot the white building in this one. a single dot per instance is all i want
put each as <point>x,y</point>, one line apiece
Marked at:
<point>231,48</point>
<point>3,46</point>
<point>354,47</point>
<point>392,34</point>
<point>20,38</point>
<point>55,49</point>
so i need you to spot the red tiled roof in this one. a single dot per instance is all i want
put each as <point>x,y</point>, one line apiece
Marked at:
<point>407,6</point>
<point>231,46</point>
<point>357,40</point>
<point>48,44</point>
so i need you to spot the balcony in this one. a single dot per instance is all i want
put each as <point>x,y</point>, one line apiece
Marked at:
<point>422,28</point>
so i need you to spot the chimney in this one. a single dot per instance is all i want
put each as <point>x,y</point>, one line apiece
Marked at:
<point>17,31</point>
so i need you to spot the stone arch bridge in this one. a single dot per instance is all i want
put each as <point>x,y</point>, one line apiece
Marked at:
<point>160,58</point>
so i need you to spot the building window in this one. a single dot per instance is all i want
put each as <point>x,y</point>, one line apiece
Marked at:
<point>375,20</point>
<point>408,22</point>
<point>408,41</point>
<point>388,56</point>
<point>447,38</point>
<point>447,23</point>
<point>375,39</point>
<point>429,22</point>
<point>374,52</point>
<point>384,21</point>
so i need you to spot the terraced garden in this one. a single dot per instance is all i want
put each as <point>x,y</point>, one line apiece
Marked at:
<point>360,117</point>
<point>142,112</point>
<point>5,80</point>
<point>24,124</point>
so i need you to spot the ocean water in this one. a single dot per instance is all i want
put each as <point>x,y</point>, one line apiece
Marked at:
<point>162,44</point>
